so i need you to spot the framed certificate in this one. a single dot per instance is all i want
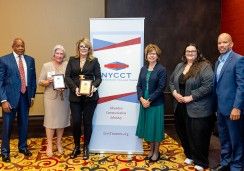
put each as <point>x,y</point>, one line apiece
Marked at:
<point>85,87</point>
<point>58,81</point>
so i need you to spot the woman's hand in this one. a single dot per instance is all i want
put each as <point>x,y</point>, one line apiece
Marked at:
<point>77,92</point>
<point>93,89</point>
<point>187,99</point>
<point>145,103</point>
<point>178,96</point>
<point>47,82</point>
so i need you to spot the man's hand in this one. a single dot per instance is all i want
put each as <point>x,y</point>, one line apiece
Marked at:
<point>32,102</point>
<point>235,114</point>
<point>6,107</point>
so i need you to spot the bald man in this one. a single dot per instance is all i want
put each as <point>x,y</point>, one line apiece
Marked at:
<point>17,92</point>
<point>229,92</point>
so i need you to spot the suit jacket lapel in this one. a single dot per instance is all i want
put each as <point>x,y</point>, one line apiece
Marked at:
<point>28,69</point>
<point>215,71</point>
<point>13,61</point>
<point>227,62</point>
<point>179,72</point>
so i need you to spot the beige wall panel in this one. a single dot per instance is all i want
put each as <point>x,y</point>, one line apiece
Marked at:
<point>43,24</point>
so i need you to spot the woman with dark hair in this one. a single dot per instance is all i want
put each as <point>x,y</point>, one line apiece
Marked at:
<point>191,84</point>
<point>150,91</point>
<point>82,106</point>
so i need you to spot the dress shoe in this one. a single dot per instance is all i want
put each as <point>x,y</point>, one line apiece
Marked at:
<point>157,159</point>
<point>147,158</point>
<point>5,158</point>
<point>221,168</point>
<point>75,153</point>
<point>188,161</point>
<point>198,168</point>
<point>85,153</point>
<point>26,152</point>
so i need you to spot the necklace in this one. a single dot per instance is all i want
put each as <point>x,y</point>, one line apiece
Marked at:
<point>82,63</point>
<point>82,60</point>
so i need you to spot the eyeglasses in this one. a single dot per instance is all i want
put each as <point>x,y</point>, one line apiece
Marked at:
<point>83,47</point>
<point>191,51</point>
<point>152,53</point>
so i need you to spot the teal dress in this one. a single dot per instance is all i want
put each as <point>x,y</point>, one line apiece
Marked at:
<point>151,120</point>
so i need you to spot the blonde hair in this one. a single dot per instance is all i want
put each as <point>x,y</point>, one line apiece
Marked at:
<point>87,43</point>
<point>150,47</point>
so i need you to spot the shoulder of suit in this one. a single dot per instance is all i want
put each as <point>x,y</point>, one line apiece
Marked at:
<point>73,58</point>
<point>160,66</point>
<point>47,64</point>
<point>144,67</point>
<point>7,56</point>
<point>180,65</point>
<point>27,56</point>
<point>236,54</point>
<point>94,59</point>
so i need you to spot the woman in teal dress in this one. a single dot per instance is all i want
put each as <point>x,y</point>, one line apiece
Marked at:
<point>150,91</point>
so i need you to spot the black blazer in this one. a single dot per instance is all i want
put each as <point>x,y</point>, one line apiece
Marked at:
<point>91,70</point>
<point>156,84</point>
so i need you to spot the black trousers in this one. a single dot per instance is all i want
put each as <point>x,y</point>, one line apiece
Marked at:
<point>199,131</point>
<point>194,134</point>
<point>82,113</point>
<point>180,126</point>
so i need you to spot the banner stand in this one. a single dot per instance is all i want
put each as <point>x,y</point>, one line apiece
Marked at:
<point>118,44</point>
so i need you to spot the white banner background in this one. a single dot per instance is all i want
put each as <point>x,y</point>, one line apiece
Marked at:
<point>118,45</point>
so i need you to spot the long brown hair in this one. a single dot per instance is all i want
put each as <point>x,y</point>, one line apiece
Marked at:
<point>197,64</point>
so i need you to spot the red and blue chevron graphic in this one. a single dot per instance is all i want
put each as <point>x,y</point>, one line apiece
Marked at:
<point>128,97</point>
<point>102,45</point>
<point>116,66</point>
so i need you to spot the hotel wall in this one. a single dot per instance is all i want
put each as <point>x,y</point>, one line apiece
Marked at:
<point>43,24</point>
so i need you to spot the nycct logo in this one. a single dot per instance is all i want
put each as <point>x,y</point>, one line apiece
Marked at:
<point>116,66</point>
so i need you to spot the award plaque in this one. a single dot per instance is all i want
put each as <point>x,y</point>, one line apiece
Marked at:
<point>58,81</point>
<point>85,86</point>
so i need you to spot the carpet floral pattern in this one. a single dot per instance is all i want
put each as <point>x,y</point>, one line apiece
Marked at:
<point>171,159</point>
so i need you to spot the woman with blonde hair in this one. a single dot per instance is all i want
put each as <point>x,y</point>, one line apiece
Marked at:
<point>82,106</point>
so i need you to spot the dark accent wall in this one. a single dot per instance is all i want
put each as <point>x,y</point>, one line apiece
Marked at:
<point>172,24</point>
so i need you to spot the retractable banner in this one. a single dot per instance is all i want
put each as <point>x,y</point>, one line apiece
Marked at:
<point>118,45</point>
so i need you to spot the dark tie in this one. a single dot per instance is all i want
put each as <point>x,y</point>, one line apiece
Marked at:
<point>22,75</point>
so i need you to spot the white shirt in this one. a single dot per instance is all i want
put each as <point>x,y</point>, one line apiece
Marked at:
<point>24,63</point>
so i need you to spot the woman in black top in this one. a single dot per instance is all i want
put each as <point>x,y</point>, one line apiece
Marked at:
<point>191,84</point>
<point>82,106</point>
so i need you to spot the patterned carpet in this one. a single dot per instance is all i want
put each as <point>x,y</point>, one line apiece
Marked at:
<point>171,159</point>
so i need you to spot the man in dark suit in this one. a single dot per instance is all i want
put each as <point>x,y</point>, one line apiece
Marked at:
<point>229,91</point>
<point>17,92</point>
